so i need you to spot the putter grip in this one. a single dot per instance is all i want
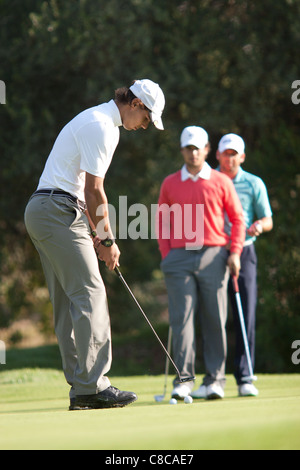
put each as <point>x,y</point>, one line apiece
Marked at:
<point>235,284</point>
<point>117,271</point>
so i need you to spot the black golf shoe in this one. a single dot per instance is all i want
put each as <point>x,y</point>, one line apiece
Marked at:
<point>111,397</point>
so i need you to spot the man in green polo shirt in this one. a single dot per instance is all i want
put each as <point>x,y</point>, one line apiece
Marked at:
<point>253,195</point>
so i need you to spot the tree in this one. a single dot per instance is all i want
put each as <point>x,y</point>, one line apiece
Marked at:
<point>223,65</point>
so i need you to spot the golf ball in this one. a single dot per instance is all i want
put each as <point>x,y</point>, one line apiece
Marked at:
<point>188,399</point>
<point>173,401</point>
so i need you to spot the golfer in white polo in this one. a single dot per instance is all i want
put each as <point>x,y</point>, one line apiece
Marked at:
<point>60,217</point>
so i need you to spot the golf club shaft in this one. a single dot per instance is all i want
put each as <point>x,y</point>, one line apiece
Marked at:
<point>148,321</point>
<point>242,322</point>
<point>167,359</point>
<point>169,351</point>
<point>161,397</point>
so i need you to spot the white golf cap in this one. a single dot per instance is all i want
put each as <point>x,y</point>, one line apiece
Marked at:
<point>232,142</point>
<point>194,135</point>
<point>153,98</point>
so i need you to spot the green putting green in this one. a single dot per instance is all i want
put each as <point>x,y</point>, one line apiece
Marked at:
<point>34,415</point>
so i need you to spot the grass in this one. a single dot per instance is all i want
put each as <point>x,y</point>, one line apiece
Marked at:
<point>34,403</point>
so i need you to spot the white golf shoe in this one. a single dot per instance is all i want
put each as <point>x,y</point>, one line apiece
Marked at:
<point>181,391</point>
<point>214,392</point>
<point>247,390</point>
<point>200,392</point>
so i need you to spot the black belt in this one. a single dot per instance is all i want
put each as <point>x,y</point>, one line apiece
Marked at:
<point>58,192</point>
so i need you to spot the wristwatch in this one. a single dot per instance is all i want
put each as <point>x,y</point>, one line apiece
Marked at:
<point>107,242</point>
<point>259,227</point>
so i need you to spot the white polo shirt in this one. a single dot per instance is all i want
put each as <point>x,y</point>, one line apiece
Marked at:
<point>85,144</point>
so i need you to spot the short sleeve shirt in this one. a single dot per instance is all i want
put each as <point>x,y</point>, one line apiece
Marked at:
<point>254,198</point>
<point>86,144</point>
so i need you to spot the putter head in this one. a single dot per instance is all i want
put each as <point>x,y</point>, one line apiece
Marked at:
<point>159,398</point>
<point>187,379</point>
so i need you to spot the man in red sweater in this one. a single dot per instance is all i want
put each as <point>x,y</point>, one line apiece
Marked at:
<point>197,260</point>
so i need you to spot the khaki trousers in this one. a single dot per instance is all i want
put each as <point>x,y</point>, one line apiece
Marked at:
<point>196,282</point>
<point>60,232</point>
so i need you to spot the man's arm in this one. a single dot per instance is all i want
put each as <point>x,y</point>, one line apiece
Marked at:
<point>234,210</point>
<point>262,209</point>
<point>163,223</point>
<point>97,208</point>
<point>264,224</point>
<point>234,263</point>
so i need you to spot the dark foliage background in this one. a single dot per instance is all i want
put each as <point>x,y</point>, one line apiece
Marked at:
<point>225,65</point>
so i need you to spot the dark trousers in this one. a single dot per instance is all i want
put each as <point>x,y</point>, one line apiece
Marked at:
<point>248,292</point>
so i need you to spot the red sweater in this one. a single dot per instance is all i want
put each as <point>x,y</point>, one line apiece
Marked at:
<point>196,217</point>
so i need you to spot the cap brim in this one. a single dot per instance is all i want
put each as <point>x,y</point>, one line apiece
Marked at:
<point>224,147</point>
<point>157,121</point>
<point>194,142</point>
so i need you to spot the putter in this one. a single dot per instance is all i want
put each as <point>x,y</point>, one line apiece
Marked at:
<point>242,322</point>
<point>160,398</point>
<point>180,379</point>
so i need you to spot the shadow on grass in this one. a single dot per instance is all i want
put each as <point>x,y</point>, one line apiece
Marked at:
<point>136,353</point>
